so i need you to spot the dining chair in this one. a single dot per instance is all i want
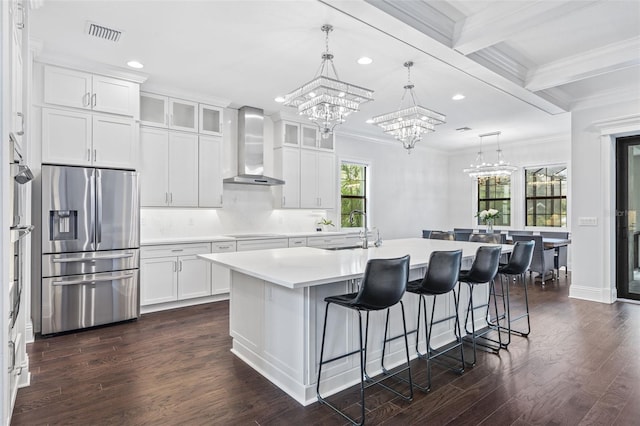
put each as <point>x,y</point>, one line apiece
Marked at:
<point>486,238</point>
<point>442,235</point>
<point>543,261</point>
<point>462,235</point>
<point>560,257</point>
<point>512,233</point>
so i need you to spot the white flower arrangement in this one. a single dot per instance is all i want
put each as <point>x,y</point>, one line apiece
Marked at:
<point>486,215</point>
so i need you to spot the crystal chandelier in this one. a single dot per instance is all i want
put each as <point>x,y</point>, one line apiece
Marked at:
<point>483,170</point>
<point>326,100</point>
<point>409,124</point>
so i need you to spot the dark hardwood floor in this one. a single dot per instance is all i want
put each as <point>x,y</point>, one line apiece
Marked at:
<point>579,366</point>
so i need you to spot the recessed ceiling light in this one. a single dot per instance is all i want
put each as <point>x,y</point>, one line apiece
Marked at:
<point>365,60</point>
<point>279,99</point>
<point>458,97</point>
<point>135,64</point>
<point>369,121</point>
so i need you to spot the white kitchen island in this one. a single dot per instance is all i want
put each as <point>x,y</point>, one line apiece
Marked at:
<point>277,310</point>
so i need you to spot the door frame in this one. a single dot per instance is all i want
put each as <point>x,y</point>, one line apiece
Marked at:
<point>622,206</point>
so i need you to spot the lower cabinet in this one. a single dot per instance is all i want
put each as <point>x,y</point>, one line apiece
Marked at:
<point>173,272</point>
<point>221,276</point>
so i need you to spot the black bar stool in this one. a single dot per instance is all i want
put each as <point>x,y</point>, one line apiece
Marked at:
<point>483,271</point>
<point>517,267</point>
<point>383,285</point>
<point>440,278</point>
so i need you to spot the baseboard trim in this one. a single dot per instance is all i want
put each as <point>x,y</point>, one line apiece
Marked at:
<point>592,294</point>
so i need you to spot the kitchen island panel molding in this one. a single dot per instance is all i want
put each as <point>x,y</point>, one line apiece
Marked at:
<point>277,311</point>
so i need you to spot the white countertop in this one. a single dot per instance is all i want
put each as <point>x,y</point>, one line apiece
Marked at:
<point>306,266</point>
<point>254,236</point>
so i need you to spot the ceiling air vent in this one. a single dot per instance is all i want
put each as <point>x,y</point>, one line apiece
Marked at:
<point>103,32</point>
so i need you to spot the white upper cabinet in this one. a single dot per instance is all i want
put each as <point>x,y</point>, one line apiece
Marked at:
<point>78,89</point>
<point>183,115</point>
<point>287,133</point>
<point>210,120</point>
<point>287,168</point>
<point>317,179</point>
<point>163,111</point>
<point>85,139</point>
<point>291,133</point>
<point>169,171</point>
<point>309,136</point>
<point>210,171</point>
<point>154,110</point>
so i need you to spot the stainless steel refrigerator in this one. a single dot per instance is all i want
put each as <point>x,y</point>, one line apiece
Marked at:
<point>90,247</point>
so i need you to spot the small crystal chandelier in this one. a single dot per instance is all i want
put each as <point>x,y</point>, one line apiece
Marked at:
<point>326,100</point>
<point>409,124</point>
<point>483,170</point>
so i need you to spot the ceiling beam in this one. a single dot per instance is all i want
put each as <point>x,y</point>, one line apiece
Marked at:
<point>493,25</point>
<point>609,58</point>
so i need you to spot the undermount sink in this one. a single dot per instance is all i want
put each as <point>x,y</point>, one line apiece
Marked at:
<point>342,247</point>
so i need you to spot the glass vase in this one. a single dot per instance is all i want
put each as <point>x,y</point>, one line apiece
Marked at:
<point>489,223</point>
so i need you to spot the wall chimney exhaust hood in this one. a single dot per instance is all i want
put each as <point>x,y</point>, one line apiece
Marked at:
<point>251,149</point>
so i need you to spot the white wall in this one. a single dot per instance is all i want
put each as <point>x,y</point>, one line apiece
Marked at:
<point>593,133</point>
<point>408,191</point>
<point>523,154</point>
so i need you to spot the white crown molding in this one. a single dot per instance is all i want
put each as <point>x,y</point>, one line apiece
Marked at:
<point>606,59</point>
<point>422,16</point>
<point>493,25</point>
<point>618,125</point>
<point>176,93</point>
<point>498,61</point>
<point>610,97</point>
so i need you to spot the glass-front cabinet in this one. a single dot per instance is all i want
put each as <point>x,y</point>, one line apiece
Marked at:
<point>210,120</point>
<point>171,113</point>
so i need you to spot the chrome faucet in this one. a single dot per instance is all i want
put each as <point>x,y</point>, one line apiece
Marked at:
<point>365,239</point>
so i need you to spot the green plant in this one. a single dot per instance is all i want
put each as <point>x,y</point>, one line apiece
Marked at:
<point>326,222</point>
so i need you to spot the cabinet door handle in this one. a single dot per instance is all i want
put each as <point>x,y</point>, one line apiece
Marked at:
<point>94,100</point>
<point>180,262</point>
<point>220,199</point>
<point>171,197</point>
<point>95,155</point>
<point>88,154</point>
<point>21,132</point>
<point>284,200</point>
<point>175,266</point>
<point>86,102</point>
<point>20,25</point>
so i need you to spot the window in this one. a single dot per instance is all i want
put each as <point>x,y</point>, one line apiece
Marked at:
<point>546,196</point>
<point>495,193</point>
<point>353,193</point>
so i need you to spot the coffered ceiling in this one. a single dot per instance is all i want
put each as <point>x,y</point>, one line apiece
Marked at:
<point>522,65</point>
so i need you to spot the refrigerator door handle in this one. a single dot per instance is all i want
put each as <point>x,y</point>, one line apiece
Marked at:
<point>92,259</point>
<point>124,276</point>
<point>98,207</point>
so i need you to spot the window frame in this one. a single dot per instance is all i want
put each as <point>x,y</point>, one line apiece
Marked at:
<point>509,199</point>
<point>366,197</point>
<point>565,197</point>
